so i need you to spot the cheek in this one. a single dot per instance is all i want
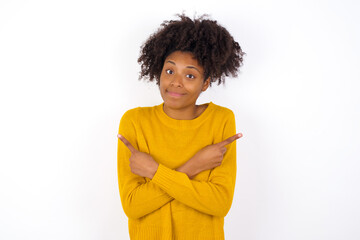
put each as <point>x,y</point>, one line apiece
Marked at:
<point>163,83</point>
<point>164,80</point>
<point>194,86</point>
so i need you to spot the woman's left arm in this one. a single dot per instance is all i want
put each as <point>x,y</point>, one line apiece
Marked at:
<point>138,197</point>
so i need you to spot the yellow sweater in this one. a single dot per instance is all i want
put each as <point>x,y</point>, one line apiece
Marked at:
<point>172,206</point>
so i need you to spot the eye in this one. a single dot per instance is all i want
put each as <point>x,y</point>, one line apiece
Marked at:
<point>190,76</point>
<point>169,71</point>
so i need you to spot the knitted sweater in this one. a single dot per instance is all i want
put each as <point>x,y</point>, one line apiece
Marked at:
<point>171,205</point>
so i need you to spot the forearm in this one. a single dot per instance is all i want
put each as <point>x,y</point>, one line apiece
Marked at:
<point>139,200</point>
<point>189,169</point>
<point>139,197</point>
<point>212,197</point>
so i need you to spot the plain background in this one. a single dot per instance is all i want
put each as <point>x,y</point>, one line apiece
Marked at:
<point>69,71</point>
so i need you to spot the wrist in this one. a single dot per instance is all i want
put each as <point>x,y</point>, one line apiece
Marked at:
<point>154,170</point>
<point>187,169</point>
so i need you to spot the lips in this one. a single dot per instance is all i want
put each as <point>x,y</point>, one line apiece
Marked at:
<point>175,94</point>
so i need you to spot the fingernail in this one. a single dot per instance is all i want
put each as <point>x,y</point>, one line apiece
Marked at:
<point>239,134</point>
<point>119,136</point>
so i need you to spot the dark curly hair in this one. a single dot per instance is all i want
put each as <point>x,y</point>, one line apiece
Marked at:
<point>210,43</point>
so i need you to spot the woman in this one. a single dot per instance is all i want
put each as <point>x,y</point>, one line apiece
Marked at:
<point>177,160</point>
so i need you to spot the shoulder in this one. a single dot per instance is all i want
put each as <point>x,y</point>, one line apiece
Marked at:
<point>135,117</point>
<point>129,117</point>
<point>223,111</point>
<point>131,112</point>
<point>138,112</point>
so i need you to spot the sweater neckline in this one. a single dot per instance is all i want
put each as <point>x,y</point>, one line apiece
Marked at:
<point>184,123</point>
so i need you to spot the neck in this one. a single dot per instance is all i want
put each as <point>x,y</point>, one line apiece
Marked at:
<point>186,113</point>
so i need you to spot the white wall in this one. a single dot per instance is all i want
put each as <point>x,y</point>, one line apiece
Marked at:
<point>69,71</point>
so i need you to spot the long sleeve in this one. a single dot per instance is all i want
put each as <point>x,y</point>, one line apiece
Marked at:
<point>213,197</point>
<point>138,196</point>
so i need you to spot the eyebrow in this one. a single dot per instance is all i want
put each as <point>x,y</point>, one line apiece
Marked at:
<point>186,66</point>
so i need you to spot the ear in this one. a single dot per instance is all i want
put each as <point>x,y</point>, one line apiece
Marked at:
<point>205,84</point>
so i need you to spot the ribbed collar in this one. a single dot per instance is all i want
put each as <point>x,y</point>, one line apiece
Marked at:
<point>183,124</point>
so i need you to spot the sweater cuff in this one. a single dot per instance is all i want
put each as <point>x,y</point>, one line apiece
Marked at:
<point>162,176</point>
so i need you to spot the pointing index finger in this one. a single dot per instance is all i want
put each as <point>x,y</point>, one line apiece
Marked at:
<point>127,143</point>
<point>231,139</point>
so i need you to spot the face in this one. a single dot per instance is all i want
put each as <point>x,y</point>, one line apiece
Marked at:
<point>182,80</point>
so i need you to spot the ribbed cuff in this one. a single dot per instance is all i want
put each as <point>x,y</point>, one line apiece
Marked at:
<point>162,176</point>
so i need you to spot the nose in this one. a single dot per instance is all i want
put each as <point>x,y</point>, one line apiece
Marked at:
<point>176,81</point>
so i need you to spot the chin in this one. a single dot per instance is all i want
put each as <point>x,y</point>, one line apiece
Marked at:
<point>173,103</point>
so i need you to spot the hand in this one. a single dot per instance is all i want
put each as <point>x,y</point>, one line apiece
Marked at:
<point>141,163</point>
<point>207,158</point>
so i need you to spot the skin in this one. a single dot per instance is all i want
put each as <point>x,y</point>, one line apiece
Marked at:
<point>181,73</point>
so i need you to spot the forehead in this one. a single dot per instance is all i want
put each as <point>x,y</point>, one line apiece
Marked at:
<point>184,58</point>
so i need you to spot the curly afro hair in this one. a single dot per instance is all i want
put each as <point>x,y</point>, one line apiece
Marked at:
<point>210,43</point>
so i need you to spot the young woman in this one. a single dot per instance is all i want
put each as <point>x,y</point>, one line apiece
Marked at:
<point>177,160</point>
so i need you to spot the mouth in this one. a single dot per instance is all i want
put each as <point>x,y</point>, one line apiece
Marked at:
<point>173,94</point>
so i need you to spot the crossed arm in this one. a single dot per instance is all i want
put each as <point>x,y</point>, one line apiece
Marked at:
<point>141,196</point>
